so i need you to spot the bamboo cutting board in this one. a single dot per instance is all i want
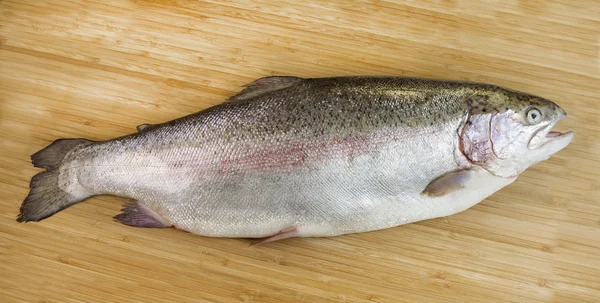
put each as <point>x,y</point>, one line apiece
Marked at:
<point>96,69</point>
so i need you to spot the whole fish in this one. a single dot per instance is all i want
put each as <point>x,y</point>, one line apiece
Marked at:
<point>294,157</point>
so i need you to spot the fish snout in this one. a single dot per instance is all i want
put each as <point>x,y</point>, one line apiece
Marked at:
<point>560,113</point>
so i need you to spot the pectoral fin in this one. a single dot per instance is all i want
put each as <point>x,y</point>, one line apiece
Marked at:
<point>447,183</point>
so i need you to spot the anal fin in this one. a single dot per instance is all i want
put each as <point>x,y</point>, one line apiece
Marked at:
<point>447,183</point>
<point>139,215</point>
<point>288,232</point>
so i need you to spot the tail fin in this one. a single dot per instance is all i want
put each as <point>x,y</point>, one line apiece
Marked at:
<point>52,156</point>
<point>45,196</point>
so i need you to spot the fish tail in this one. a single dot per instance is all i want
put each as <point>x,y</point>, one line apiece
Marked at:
<point>45,196</point>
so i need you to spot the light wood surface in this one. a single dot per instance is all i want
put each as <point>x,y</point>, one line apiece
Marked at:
<point>96,69</point>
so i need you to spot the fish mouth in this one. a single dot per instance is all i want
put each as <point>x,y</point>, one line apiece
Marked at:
<point>552,141</point>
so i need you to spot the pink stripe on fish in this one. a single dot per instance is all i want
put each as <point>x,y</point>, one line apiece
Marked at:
<point>295,155</point>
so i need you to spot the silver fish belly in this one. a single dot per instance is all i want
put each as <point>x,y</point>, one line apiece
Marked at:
<point>303,157</point>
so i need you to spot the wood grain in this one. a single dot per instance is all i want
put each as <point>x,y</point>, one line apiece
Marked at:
<point>96,69</point>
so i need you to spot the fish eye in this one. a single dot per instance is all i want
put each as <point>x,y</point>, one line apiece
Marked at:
<point>534,116</point>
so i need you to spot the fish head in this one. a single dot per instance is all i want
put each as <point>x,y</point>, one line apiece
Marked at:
<point>515,135</point>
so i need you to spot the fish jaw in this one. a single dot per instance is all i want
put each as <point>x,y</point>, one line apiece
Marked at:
<point>545,134</point>
<point>543,143</point>
<point>551,144</point>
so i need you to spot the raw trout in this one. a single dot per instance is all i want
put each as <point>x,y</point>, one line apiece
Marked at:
<point>293,157</point>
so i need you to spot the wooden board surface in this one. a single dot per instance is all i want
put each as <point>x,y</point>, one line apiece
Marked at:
<point>96,69</point>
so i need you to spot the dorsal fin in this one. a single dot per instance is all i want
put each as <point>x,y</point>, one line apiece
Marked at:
<point>143,127</point>
<point>265,85</point>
